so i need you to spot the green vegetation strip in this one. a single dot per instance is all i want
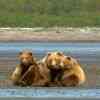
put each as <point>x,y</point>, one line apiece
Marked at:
<point>47,13</point>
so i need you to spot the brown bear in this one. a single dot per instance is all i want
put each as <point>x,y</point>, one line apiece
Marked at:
<point>52,61</point>
<point>64,71</point>
<point>73,74</point>
<point>29,71</point>
<point>26,72</point>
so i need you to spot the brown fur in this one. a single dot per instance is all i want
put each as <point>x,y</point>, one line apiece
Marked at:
<point>43,78</point>
<point>29,72</point>
<point>26,72</point>
<point>73,73</point>
<point>64,71</point>
<point>52,62</point>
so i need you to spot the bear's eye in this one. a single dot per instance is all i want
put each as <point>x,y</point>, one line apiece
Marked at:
<point>67,66</point>
<point>23,58</point>
<point>27,58</point>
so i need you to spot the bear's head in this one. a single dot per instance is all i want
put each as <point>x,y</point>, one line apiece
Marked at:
<point>68,62</point>
<point>53,60</point>
<point>26,58</point>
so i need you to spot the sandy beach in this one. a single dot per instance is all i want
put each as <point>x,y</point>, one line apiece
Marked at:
<point>50,34</point>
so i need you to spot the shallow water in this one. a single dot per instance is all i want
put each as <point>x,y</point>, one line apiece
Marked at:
<point>87,54</point>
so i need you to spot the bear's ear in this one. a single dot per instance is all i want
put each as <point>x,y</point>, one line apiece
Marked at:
<point>30,53</point>
<point>68,57</point>
<point>49,53</point>
<point>59,53</point>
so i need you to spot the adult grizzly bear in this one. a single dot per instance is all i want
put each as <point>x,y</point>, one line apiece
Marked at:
<point>29,71</point>
<point>52,61</point>
<point>64,71</point>
<point>26,73</point>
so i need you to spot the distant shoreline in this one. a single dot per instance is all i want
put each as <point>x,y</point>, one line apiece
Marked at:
<point>55,34</point>
<point>27,41</point>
